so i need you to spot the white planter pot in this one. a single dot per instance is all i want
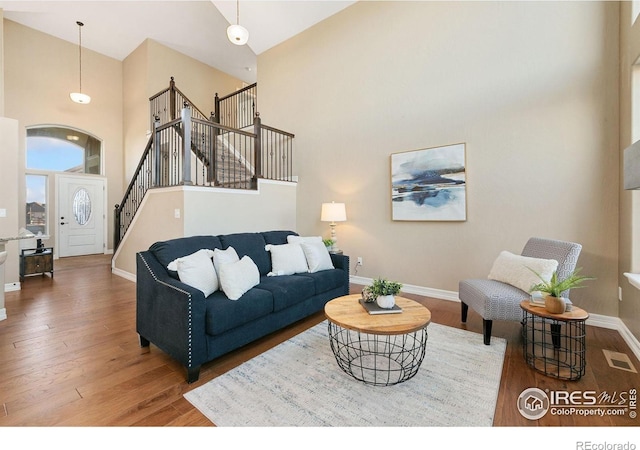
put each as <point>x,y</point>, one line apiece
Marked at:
<point>386,301</point>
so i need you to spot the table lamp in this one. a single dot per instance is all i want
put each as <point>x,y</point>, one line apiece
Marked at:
<point>333,212</point>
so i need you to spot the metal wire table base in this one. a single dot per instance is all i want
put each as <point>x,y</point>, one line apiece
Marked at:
<point>554,347</point>
<point>379,360</point>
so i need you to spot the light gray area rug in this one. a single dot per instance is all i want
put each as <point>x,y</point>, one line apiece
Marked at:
<point>299,383</point>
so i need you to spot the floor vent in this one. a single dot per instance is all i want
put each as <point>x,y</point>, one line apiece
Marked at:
<point>619,361</point>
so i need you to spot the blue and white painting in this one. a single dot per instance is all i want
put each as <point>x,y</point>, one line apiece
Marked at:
<point>429,184</point>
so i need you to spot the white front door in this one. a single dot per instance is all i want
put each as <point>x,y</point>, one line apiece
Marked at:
<point>80,209</point>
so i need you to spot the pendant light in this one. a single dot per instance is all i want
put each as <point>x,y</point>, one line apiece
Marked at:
<point>79,97</point>
<point>237,34</point>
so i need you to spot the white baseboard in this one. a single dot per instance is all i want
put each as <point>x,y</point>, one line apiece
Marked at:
<point>614,323</point>
<point>9,287</point>
<point>630,339</point>
<point>121,273</point>
<point>3,314</point>
<point>595,320</point>
<point>431,292</point>
<point>411,289</point>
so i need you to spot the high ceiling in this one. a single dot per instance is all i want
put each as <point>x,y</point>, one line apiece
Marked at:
<point>196,28</point>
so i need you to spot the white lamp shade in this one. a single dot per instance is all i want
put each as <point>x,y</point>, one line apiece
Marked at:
<point>79,97</point>
<point>237,34</point>
<point>333,212</point>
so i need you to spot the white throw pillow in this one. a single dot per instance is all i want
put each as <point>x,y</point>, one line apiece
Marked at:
<point>238,277</point>
<point>516,270</point>
<point>317,256</point>
<point>197,271</point>
<point>291,239</point>
<point>221,257</point>
<point>286,259</point>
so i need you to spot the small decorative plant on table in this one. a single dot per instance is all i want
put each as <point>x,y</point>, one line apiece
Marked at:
<point>383,292</point>
<point>328,243</point>
<point>554,302</point>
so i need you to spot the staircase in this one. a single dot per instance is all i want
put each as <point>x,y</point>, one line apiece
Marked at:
<point>229,149</point>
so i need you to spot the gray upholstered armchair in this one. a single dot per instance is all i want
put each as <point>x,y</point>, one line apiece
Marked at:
<point>495,300</point>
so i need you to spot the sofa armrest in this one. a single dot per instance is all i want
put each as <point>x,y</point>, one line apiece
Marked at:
<point>169,313</point>
<point>341,262</point>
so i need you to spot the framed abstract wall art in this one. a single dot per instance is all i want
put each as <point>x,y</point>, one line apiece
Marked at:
<point>429,184</point>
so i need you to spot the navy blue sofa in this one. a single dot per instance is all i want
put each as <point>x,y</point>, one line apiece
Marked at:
<point>179,320</point>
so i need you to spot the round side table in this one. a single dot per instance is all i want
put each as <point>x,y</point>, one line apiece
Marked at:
<point>377,349</point>
<point>554,344</point>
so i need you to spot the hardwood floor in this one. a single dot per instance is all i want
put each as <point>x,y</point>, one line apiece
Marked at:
<point>70,356</point>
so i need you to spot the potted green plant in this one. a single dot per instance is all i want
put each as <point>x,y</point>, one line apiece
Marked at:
<point>553,302</point>
<point>384,292</point>
<point>328,243</point>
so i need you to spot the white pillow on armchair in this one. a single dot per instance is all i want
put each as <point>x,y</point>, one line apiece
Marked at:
<point>516,270</point>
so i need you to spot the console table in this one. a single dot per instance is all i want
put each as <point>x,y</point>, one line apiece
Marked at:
<point>554,344</point>
<point>36,261</point>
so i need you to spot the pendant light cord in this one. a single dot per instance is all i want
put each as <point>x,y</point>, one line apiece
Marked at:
<point>80,25</point>
<point>79,97</point>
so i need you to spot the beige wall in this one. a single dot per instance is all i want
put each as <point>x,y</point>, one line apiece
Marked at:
<point>530,87</point>
<point>271,207</point>
<point>1,63</point>
<point>629,259</point>
<point>40,72</point>
<point>148,70</point>
<point>136,95</point>
<point>157,207</point>
<point>205,211</point>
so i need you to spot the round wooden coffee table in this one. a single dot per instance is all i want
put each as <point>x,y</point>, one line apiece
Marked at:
<point>377,349</point>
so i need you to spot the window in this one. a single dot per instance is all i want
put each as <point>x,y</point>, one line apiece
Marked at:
<point>36,208</point>
<point>82,206</point>
<point>60,149</point>
<point>56,149</point>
